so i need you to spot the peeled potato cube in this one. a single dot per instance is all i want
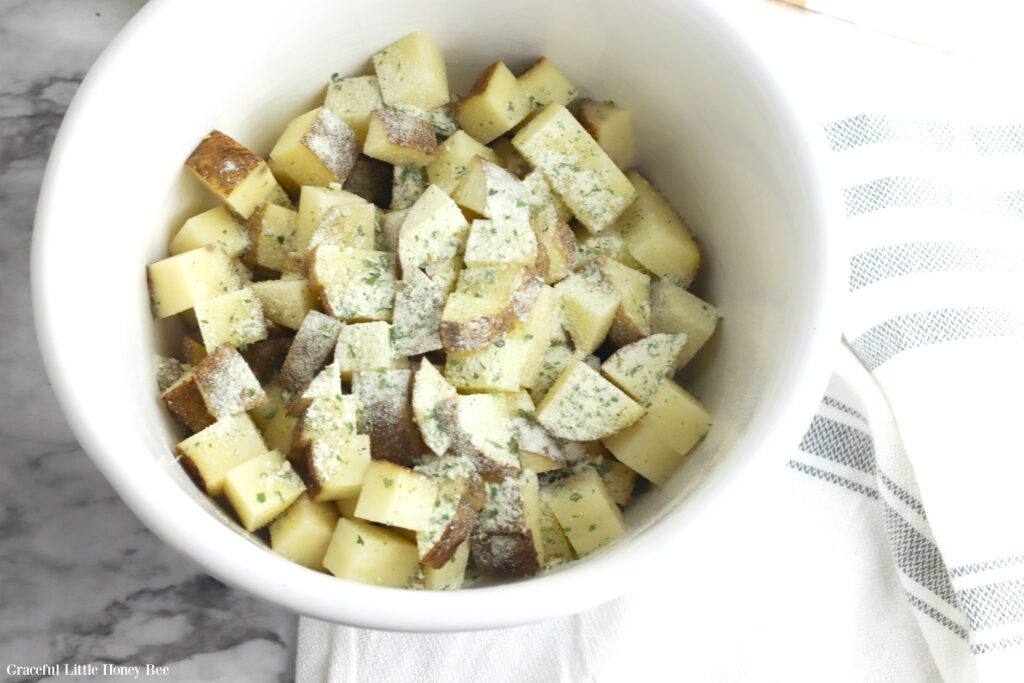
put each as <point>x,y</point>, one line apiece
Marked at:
<point>337,466</point>
<point>641,367</point>
<point>215,226</point>
<point>316,148</point>
<point>585,509</point>
<point>350,222</point>
<point>674,309</point>
<point>557,356</point>
<point>432,236</point>
<point>272,235</point>
<point>678,418</point>
<point>303,531</point>
<point>273,420</point>
<point>576,167</point>
<point>396,496</point>
<point>362,552</point>
<point>227,383</point>
<point>411,71</point>
<point>285,302</point>
<point>354,284</point>
<point>612,127</point>
<point>641,449</point>
<point>177,283</point>
<point>400,139</point>
<point>589,308</point>
<point>610,242</point>
<point>584,406</point>
<point>557,548</point>
<point>233,173</point>
<point>494,105</point>
<point>543,84</point>
<point>632,320</point>
<point>235,318</point>
<point>208,454</point>
<point>452,574</point>
<point>657,237</point>
<point>262,488</point>
<point>453,159</point>
<point>326,384</point>
<point>353,99</point>
<point>363,346</point>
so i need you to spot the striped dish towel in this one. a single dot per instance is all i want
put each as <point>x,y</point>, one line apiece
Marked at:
<point>891,546</point>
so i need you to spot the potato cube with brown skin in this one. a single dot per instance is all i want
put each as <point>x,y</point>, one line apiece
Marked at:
<point>441,118</point>
<point>396,496</point>
<point>207,455</point>
<point>272,235</point>
<point>177,283</point>
<point>363,346</point>
<point>227,384</point>
<point>411,71</point>
<point>491,191</point>
<point>612,127</point>
<point>400,139</point>
<point>233,173</point>
<point>387,414</point>
<point>303,531</point>
<point>328,418</point>
<point>479,430</point>
<point>265,357</point>
<point>557,240</point>
<point>192,351</point>
<point>585,509</point>
<point>408,183</point>
<point>495,104</point>
<point>184,399</point>
<point>486,303</point>
<point>584,406</point>
<point>509,539</point>
<point>316,148</point>
<point>353,99</point>
<point>296,267</point>
<point>589,307</point>
<point>168,371</point>
<point>632,320</point>
<point>674,309</point>
<point>452,574</point>
<point>360,551</point>
<point>327,384</point>
<point>453,159</point>
<point>337,466</point>
<point>419,305</point>
<point>262,488</point>
<point>310,349</point>
<point>234,318</point>
<point>371,180</point>
<point>286,302</point>
<point>432,237</point>
<point>214,226</point>
<point>453,517</point>
<point>354,284</point>
<point>641,449</point>
<point>429,389</point>
<point>538,449</point>
<point>576,167</point>
<point>544,83</point>
<point>657,237</point>
<point>273,420</point>
<point>641,367</point>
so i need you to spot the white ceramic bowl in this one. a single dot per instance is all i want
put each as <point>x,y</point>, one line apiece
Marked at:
<point>715,132</point>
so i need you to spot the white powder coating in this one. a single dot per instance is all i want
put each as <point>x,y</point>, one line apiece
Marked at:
<point>640,368</point>
<point>494,242</point>
<point>407,185</point>
<point>227,384</point>
<point>387,414</point>
<point>433,237</point>
<point>448,467</point>
<point>419,305</point>
<point>584,406</point>
<point>310,348</point>
<point>556,358</point>
<point>504,510</point>
<point>442,118</point>
<point>541,198</point>
<point>168,371</point>
<point>408,131</point>
<point>533,438</point>
<point>355,284</point>
<point>332,418</point>
<point>429,389</point>
<point>333,143</point>
<point>524,296</point>
<point>364,346</point>
<point>326,384</point>
<point>481,432</point>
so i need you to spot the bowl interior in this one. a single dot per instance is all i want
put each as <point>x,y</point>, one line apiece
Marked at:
<point>714,136</point>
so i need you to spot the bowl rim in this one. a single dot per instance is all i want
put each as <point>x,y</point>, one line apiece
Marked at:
<point>549,595</point>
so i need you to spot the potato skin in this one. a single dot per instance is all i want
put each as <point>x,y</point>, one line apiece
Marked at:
<point>505,554</point>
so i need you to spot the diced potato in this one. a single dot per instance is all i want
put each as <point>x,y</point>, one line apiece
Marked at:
<point>641,367</point>
<point>509,540</point>
<point>657,237</point>
<point>411,71</point>
<point>184,399</point>
<point>396,496</point>
<point>390,225</point>
<point>168,371</point>
<point>583,406</point>
<point>273,420</point>
<point>486,303</point>
<point>227,384</point>
<point>453,158</point>
<point>328,418</point>
<point>361,552</point>
<point>310,349</point>
<point>495,243</point>
<point>429,389</point>
<point>555,359</point>
<point>337,466</point>
<point>419,304</point>
<point>640,449</point>
<point>441,118</point>
<point>316,148</point>
<point>558,241</point>
<point>479,430</point>
<point>585,509</point>
<point>677,417</point>
<point>235,318</point>
<point>265,357</point>
<point>353,99</point>
<point>452,520</point>
<point>177,283</point>
<point>209,454</point>
<point>433,236</point>
<point>334,216</point>
<point>632,320</point>
<point>538,449</point>
<point>347,507</point>
<point>610,243</point>
<point>543,84</point>
<point>400,139</point>
<point>496,103</point>
<point>557,548</point>
<point>612,127</point>
<point>491,191</point>
<point>576,167</point>
<point>518,404</point>
<point>674,309</point>
<point>303,531</point>
<point>619,478</point>
<point>354,284</point>
<point>407,185</point>
<point>589,308</point>
<point>540,196</point>
<point>192,351</point>
<point>327,384</point>
<point>272,235</point>
<point>371,180</point>
<point>496,367</point>
<point>387,414</point>
<point>233,173</point>
<point>452,574</point>
<point>508,158</point>
<point>216,226</point>
<point>286,302</point>
<point>363,346</point>
<point>296,267</point>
